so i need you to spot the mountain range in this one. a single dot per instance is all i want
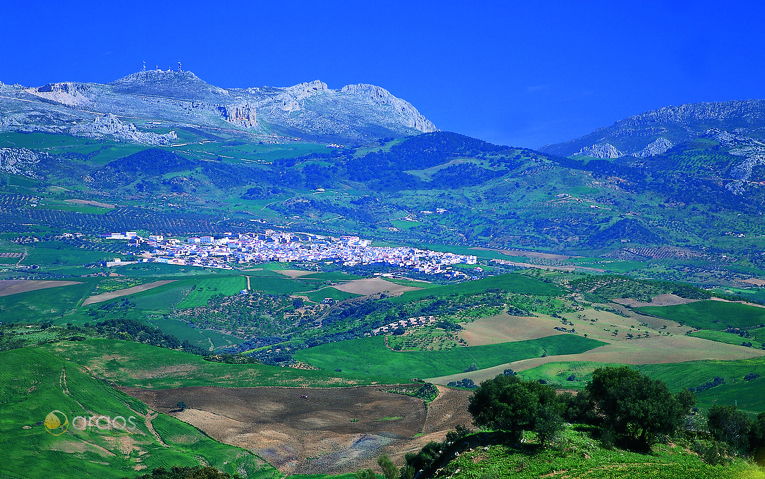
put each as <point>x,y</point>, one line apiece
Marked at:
<point>683,186</point>
<point>574,256</point>
<point>156,98</point>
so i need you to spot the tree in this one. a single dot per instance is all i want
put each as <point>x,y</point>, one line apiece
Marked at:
<point>757,439</point>
<point>548,424</point>
<point>510,404</point>
<point>635,405</point>
<point>181,405</point>
<point>389,469</point>
<point>504,403</point>
<point>730,425</point>
<point>368,474</point>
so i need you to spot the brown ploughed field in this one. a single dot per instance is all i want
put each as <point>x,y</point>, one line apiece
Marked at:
<point>314,430</point>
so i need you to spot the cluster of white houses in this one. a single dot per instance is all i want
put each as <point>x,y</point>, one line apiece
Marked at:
<point>403,324</point>
<point>209,251</point>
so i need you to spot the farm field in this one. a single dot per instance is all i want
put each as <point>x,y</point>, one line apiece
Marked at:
<point>204,338</point>
<point>714,315</point>
<point>512,283</point>
<point>736,390</point>
<point>626,340</point>
<point>370,356</point>
<point>100,298</point>
<point>205,288</point>
<point>369,286</point>
<point>9,287</point>
<point>309,430</point>
<point>727,338</point>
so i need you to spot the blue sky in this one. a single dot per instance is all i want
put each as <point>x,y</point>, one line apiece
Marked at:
<point>516,73</point>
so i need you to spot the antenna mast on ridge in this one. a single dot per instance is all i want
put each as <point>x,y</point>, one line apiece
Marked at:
<point>144,66</point>
<point>179,67</point>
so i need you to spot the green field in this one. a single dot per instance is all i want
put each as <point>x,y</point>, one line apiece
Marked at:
<point>714,315</point>
<point>54,253</point>
<point>369,356</point>
<point>204,338</point>
<point>332,293</point>
<point>748,395</point>
<point>33,383</point>
<point>53,304</point>
<point>140,365</point>
<point>511,283</point>
<point>557,373</point>
<point>727,338</point>
<point>205,288</point>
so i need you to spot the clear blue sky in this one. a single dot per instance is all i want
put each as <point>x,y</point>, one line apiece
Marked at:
<point>509,72</point>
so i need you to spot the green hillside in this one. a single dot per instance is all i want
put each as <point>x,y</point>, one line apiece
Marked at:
<point>33,383</point>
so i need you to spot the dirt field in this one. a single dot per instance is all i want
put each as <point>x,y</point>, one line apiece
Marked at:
<point>504,328</point>
<point>13,286</point>
<point>627,344</point>
<point>373,286</point>
<point>331,431</point>
<point>100,298</point>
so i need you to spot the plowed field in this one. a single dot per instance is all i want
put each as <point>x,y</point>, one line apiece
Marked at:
<point>313,430</point>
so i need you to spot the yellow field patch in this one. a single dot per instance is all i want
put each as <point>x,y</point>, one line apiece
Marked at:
<point>505,328</point>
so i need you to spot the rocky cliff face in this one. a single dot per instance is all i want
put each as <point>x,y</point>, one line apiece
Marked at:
<point>654,132</point>
<point>19,161</point>
<point>110,125</point>
<point>309,110</point>
<point>379,96</point>
<point>602,150</point>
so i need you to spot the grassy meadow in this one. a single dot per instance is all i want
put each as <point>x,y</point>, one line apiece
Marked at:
<point>714,315</point>
<point>370,356</point>
<point>138,365</point>
<point>33,383</point>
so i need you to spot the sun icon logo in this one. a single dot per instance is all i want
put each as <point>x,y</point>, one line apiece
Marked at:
<point>56,423</point>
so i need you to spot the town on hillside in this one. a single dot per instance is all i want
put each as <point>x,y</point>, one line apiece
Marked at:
<point>222,252</point>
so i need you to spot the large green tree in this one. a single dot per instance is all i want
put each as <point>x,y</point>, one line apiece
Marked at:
<point>729,424</point>
<point>636,405</point>
<point>510,404</point>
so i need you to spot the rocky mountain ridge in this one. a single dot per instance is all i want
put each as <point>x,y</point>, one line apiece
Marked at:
<point>176,99</point>
<point>656,131</point>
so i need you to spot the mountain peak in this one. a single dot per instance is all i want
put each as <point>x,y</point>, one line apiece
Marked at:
<point>167,83</point>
